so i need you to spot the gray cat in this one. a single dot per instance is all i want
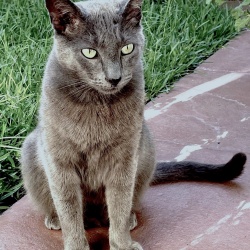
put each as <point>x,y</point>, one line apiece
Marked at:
<point>91,153</point>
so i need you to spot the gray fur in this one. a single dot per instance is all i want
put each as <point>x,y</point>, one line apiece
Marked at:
<point>91,147</point>
<point>90,144</point>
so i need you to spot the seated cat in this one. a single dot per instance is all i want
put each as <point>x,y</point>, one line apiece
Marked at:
<point>91,152</point>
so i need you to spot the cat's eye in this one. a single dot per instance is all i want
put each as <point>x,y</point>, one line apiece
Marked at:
<point>127,49</point>
<point>89,53</point>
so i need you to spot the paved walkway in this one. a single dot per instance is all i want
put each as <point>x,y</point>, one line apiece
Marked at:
<point>205,118</point>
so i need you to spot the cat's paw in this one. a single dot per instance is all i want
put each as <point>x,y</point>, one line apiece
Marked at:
<point>76,245</point>
<point>136,246</point>
<point>132,221</point>
<point>52,222</point>
<point>77,248</point>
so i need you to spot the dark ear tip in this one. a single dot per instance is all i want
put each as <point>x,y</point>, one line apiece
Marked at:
<point>132,13</point>
<point>63,14</point>
<point>49,4</point>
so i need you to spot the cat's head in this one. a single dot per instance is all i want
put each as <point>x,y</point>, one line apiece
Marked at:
<point>99,41</point>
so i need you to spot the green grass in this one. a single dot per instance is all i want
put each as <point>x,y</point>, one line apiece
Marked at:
<point>179,37</point>
<point>25,39</point>
<point>180,34</point>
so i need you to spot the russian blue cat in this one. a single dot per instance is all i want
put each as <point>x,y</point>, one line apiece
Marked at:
<point>91,156</point>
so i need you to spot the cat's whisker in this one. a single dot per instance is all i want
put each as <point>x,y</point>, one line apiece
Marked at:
<point>70,85</point>
<point>76,91</point>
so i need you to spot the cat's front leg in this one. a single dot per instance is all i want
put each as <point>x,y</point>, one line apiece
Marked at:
<point>67,196</point>
<point>119,196</point>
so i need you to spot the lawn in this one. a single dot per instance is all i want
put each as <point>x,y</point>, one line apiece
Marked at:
<point>180,34</point>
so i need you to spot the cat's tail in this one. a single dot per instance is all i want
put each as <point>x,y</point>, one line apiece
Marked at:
<point>194,171</point>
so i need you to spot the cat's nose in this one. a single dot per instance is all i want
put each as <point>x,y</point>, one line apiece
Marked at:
<point>113,82</point>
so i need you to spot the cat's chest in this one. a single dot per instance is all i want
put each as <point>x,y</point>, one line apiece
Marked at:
<point>91,125</point>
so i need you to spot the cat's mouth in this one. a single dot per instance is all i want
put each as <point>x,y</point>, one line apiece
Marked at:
<point>109,90</point>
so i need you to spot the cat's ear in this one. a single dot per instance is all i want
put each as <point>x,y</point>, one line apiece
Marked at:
<point>64,15</point>
<point>132,13</point>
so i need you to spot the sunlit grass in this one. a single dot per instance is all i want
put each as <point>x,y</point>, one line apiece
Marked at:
<point>180,35</point>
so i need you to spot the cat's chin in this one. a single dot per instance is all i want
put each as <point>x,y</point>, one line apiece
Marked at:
<point>108,91</point>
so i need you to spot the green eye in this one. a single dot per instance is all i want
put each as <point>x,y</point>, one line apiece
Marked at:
<point>127,49</point>
<point>89,53</point>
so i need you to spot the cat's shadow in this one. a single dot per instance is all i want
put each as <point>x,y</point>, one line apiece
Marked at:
<point>98,238</point>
